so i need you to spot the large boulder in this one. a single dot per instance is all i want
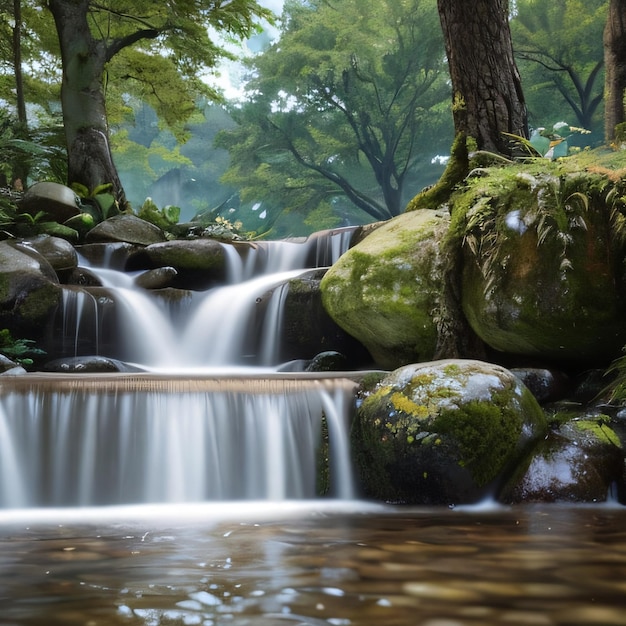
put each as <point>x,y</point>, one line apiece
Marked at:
<point>445,432</point>
<point>384,290</point>
<point>580,460</point>
<point>543,263</point>
<point>29,291</point>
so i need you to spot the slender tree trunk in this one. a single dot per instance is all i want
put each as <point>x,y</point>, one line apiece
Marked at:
<point>20,168</point>
<point>615,67</point>
<point>17,64</point>
<point>82,97</point>
<point>487,94</point>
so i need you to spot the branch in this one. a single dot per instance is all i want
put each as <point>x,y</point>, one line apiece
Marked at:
<point>124,42</point>
<point>365,203</point>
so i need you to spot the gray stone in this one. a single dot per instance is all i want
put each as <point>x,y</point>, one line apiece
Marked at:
<point>126,228</point>
<point>58,201</point>
<point>58,252</point>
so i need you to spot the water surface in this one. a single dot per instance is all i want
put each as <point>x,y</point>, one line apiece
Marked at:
<point>312,563</point>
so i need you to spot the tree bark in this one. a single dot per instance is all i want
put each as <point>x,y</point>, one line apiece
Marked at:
<point>82,97</point>
<point>615,67</point>
<point>487,93</point>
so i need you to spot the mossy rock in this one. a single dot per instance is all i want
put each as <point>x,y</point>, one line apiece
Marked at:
<point>543,262</point>
<point>580,461</point>
<point>30,293</point>
<point>445,432</point>
<point>384,291</point>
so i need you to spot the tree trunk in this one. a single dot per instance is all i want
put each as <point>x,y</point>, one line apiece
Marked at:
<point>82,97</point>
<point>615,67</point>
<point>487,94</point>
<point>17,63</point>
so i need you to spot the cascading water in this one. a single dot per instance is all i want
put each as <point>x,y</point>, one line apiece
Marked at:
<point>180,431</point>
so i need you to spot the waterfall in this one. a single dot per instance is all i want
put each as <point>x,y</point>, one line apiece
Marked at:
<point>127,439</point>
<point>235,325</point>
<point>182,431</point>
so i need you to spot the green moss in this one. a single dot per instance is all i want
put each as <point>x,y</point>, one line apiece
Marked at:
<point>451,370</point>
<point>40,302</point>
<point>599,429</point>
<point>485,432</point>
<point>456,170</point>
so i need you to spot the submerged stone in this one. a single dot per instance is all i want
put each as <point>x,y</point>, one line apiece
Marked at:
<point>383,291</point>
<point>444,432</point>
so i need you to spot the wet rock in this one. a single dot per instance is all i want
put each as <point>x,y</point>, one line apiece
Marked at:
<point>579,461</point>
<point>307,329</point>
<point>126,228</point>
<point>383,291</point>
<point>82,277</point>
<point>58,201</point>
<point>156,279</point>
<point>113,255</point>
<point>88,365</point>
<point>9,367</point>
<point>329,361</point>
<point>200,263</point>
<point>546,385</point>
<point>29,291</point>
<point>58,252</point>
<point>443,432</point>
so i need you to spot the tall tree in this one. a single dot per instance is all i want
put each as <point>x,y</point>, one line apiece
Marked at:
<point>342,106</point>
<point>615,61</point>
<point>559,47</point>
<point>165,37</point>
<point>488,101</point>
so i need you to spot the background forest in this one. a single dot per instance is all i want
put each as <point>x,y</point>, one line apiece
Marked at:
<point>336,113</point>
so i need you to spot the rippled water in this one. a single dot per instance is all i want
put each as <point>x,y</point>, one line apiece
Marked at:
<point>313,564</point>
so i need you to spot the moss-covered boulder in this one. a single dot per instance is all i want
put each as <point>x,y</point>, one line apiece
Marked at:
<point>29,291</point>
<point>580,460</point>
<point>384,290</point>
<point>544,261</point>
<point>444,432</point>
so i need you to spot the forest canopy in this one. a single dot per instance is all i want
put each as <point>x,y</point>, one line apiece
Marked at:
<point>346,108</point>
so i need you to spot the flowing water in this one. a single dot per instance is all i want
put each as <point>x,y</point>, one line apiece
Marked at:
<point>186,495</point>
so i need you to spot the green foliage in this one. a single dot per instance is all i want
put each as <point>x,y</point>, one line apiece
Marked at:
<point>218,227</point>
<point>164,218</point>
<point>19,350</point>
<point>18,154</point>
<point>560,56</point>
<point>345,110</point>
<point>16,223</point>
<point>553,143</point>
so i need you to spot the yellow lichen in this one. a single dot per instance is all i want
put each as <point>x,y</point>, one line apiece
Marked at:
<point>406,405</point>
